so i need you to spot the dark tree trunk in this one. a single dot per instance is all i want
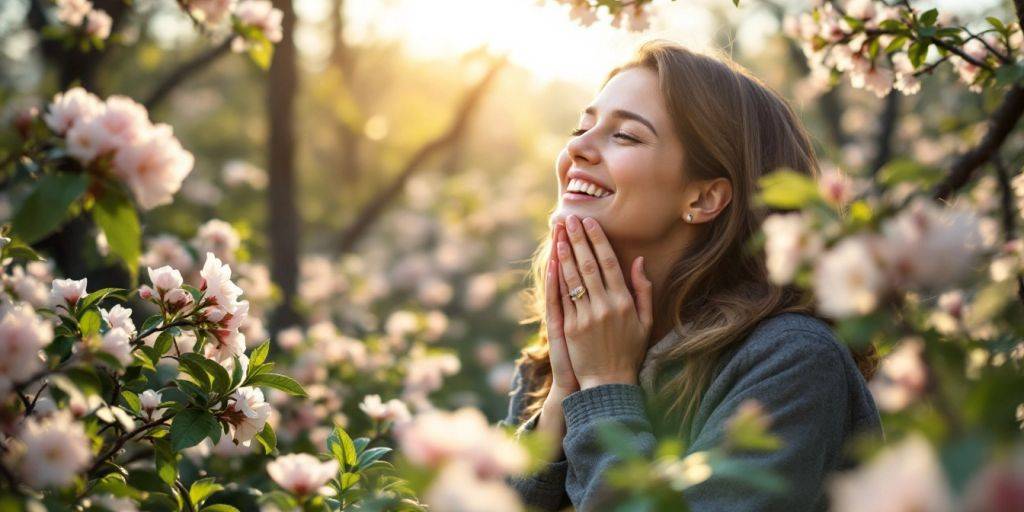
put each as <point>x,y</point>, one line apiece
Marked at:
<point>283,218</point>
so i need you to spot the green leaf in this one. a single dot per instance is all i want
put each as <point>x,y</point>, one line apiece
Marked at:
<point>191,364</point>
<point>115,215</point>
<point>917,52</point>
<point>150,323</point>
<point>929,17</point>
<point>132,400</point>
<point>261,51</point>
<point>787,189</point>
<point>259,354</point>
<point>896,44</point>
<point>202,489</point>
<point>220,379</point>
<point>191,426</point>
<point>372,455</point>
<point>997,23</point>
<point>907,170</point>
<point>166,461</point>
<point>219,507</point>
<point>97,296</point>
<point>278,381</point>
<point>90,322</point>
<point>339,443</point>
<point>267,439</point>
<point>46,208</point>
<point>163,343</point>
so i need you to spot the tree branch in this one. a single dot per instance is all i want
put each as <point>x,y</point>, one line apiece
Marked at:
<point>1000,125</point>
<point>375,207</point>
<point>184,71</point>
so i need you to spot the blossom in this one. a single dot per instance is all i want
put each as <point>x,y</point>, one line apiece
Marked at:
<point>301,473</point>
<point>788,242</point>
<point>154,167</point>
<point>98,24</point>
<point>210,12</point>
<point>51,451</point>
<point>847,280</point>
<point>73,12</point>
<point>228,341</point>
<point>458,488</point>
<point>435,438</point>
<point>394,410</point>
<point>262,15</point>
<point>164,279</point>
<point>121,123</point>
<point>217,285</point>
<point>119,317</point>
<point>117,343</point>
<point>85,141</point>
<point>149,401</point>
<point>247,414</point>
<point>218,237</point>
<point>22,335</point>
<point>238,172</point>
<point>926,246</point>
<point>582,13</point>
<point>901,377</point>
<point>71,107</point>
<point>167,250</point>
<point>906,476</point>
<point>67,292</point>
<point>906,82</point>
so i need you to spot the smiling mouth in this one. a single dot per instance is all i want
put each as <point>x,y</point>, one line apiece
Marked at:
<point>585,188</point>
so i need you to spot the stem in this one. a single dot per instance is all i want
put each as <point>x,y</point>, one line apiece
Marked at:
<point>124,439</point>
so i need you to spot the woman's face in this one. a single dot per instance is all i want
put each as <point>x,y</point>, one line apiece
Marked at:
<point>624,143</point>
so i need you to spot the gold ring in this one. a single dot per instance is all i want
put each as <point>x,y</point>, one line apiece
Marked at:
<point>577,293</point>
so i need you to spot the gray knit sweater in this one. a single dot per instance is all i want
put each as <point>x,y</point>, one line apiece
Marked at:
<point>791,363</point>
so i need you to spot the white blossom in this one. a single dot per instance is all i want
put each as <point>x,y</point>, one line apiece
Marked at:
<point>300,473</point>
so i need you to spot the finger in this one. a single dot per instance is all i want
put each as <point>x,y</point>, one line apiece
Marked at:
<point>606,259</point>
<point>553,295</point>
<point>642,293</point>
<point>568,306</point>
<point>558,352</point>
<point>586,263</point>
<point>572,278</point>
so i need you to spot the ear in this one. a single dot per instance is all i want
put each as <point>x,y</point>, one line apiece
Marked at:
<point>705,199</point>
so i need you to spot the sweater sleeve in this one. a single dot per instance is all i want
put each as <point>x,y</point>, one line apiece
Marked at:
<point>799,380</point>
<point>545,488</point>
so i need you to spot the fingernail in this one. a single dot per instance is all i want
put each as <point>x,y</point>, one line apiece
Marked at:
<point>589,223</point>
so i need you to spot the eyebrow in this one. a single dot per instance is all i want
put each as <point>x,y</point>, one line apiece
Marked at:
<point>625,114</point>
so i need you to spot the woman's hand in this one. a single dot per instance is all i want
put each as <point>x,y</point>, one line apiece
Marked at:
<point>563,378</point>
<point>606,330</point>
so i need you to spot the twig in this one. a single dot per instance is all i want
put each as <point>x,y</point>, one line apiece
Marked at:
<point>1000,125</point>
<point>122,440</point>
<point>184,71</point>
<point>374,208</point>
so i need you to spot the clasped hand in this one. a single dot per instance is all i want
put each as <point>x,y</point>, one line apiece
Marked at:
<point>601,338</point>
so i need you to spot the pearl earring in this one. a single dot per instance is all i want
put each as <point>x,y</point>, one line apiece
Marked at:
<point>689,217</point>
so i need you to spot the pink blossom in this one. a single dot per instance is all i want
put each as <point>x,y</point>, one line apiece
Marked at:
<point>217,285</point>
<point>22,335</point>
<point>394,410</point>
<point>847,280</point>
<point>154,167</point>
<point>117,343</point>
<point>906,476</point>
<point>301,473</point>
<point>262,15</point>
<point>98,24</point>
<point>248,413</point>
<point>70,107</point>
<point>218,237</point>
<point>436,438</point>
<point>210,12</point>
<point>119,316</point>
<point>901,378</point>
<point>788,242</point>
<point>458,488</point>
<point>165,279</point>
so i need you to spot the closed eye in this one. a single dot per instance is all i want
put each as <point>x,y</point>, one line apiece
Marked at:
<point>580,131</point>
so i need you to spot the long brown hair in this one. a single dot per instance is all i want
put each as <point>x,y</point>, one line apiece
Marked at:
<point>731,125</point>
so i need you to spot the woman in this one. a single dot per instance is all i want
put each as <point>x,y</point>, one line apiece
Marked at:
<point>657,184</point>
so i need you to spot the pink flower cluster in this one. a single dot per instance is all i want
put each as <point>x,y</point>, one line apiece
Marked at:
<point>633,12</point>
<point>148,158</point>
<point>262,15</point>
<point>831,41</point>
<point>80,13</point>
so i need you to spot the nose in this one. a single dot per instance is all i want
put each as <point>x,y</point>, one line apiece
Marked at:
<point>582,150</point>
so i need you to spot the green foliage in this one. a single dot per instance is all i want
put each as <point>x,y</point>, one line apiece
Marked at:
<point>47,207</point>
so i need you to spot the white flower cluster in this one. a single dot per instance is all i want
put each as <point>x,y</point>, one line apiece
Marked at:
<point>922,247</point>
<point>23,334</point>
<point>148,158</point>
<point>393,410</point>
<point>81,14</point>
